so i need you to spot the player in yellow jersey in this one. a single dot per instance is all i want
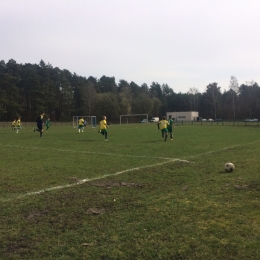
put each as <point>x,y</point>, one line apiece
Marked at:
<point>18,125</point>
<point>163,124</point>
<point>81,125</point>
<point>14,124</point>
<point>103,127</point>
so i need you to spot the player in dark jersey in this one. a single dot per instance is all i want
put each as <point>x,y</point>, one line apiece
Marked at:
<point>39,122</point>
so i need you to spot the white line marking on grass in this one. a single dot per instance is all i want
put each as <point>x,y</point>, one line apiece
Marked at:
<point>86,152</point>
<point>117,173</point>
<point>223,149</point>
<point>89,180</point>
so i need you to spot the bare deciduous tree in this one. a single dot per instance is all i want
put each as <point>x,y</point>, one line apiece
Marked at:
<point>192,98</point>
<point>213,94</point>
<point>233,86</point>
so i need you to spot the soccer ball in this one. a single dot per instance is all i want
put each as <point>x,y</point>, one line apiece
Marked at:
<point>229,167</point>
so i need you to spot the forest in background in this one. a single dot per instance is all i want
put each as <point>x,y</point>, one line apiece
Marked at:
<point>27,89</point>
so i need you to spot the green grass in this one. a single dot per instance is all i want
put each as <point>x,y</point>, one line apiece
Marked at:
<point>75,196</point>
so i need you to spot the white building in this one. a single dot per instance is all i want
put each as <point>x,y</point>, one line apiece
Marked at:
<point>184,116</point>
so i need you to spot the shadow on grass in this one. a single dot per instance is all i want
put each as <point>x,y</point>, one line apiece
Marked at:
<point>154,141</point>
<point>86,141</point>
<point>224,172</point>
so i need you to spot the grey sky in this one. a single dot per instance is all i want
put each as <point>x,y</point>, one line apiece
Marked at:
<point>182,43</point>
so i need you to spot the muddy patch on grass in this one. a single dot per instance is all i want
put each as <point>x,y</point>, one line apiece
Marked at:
<point>18,246</point>
<point>73,179</point>
<point>35,216</point>
<point>95,211</point>
<point>110,184</point>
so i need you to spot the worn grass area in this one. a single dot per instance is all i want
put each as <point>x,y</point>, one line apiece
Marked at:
<point>75,196</point>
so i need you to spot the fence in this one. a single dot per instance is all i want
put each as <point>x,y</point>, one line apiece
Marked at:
<point>205,123</point>
<point>33,124</point>
<point>220,123</point>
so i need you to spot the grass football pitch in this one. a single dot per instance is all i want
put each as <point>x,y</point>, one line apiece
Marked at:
<point>77,196</point>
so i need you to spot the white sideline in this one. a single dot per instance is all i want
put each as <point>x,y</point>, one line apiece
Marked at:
<point>86,152</point>
<point>89,180</point>
<point>223,149</point>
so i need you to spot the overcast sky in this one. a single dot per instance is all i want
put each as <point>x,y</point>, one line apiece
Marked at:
<point>183,43</point>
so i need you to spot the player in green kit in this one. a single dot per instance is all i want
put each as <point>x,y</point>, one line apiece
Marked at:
<point>170,126</point>
<point>163,124</point>
<point>48,124</point>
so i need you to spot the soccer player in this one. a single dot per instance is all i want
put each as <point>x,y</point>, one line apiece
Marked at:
<point>81,125</point>
<point>18,125</point>
<point>39,122</point>
<point>163,126</point>
<point>171,124</point>
<point>84,125</point>
<point>48,124</point>
<point>14,124</point>
<point>103,127</point>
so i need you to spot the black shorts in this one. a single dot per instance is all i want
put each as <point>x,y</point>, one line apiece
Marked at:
<point>39,126</point>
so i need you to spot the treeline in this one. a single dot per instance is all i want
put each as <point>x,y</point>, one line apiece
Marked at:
<point>27,89</point>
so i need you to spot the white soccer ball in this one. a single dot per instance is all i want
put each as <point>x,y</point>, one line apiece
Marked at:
<point>229,167</point>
